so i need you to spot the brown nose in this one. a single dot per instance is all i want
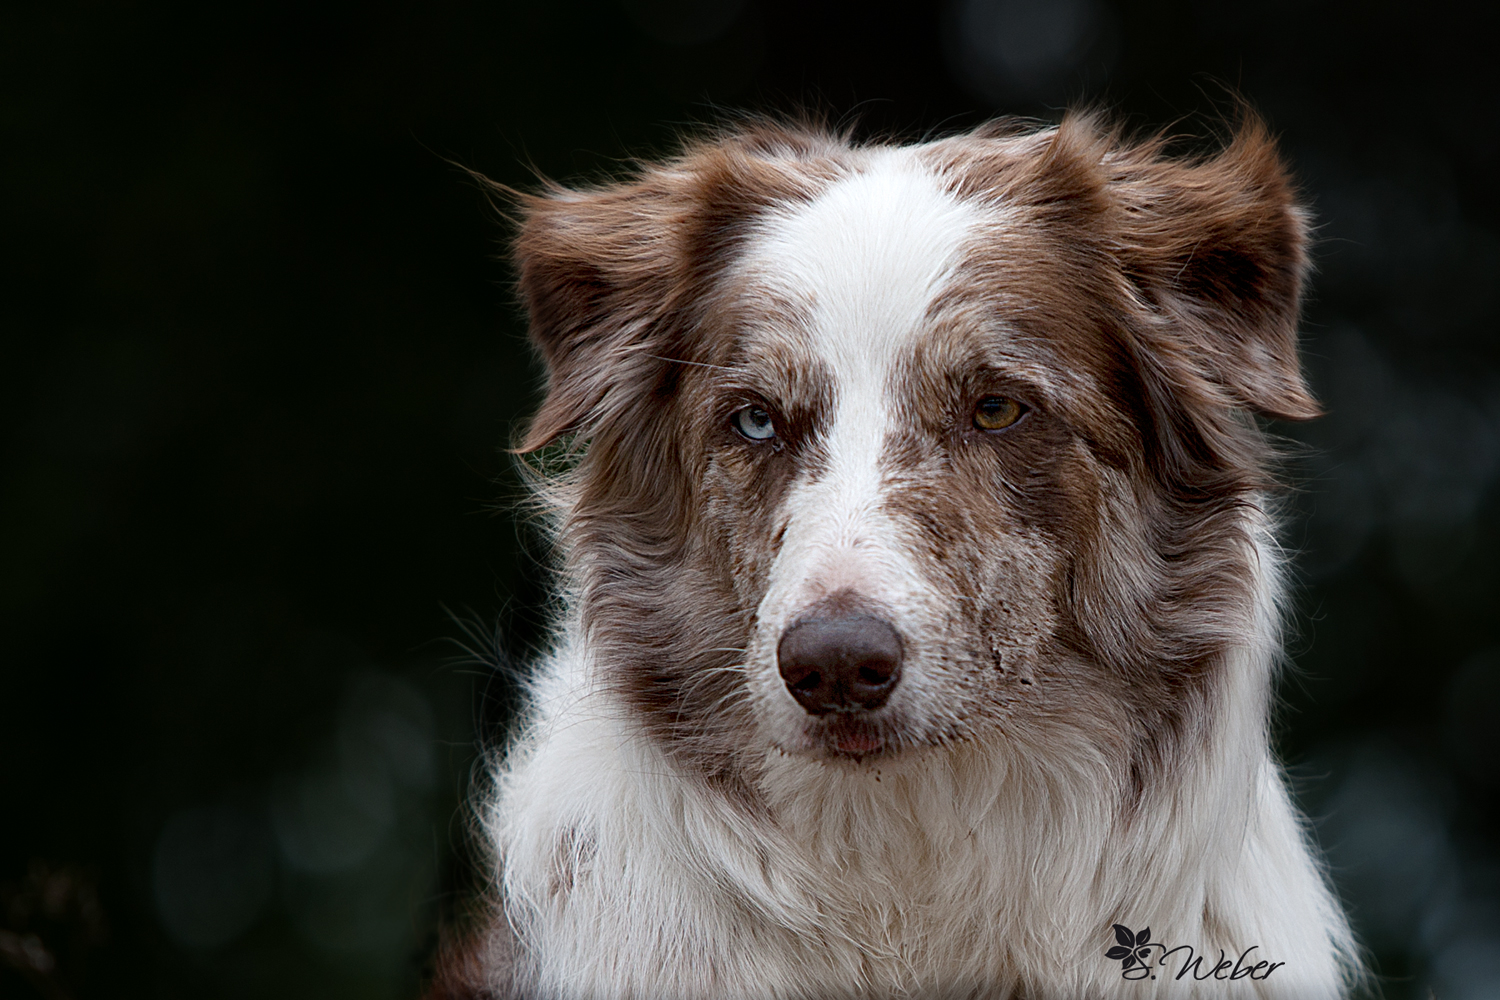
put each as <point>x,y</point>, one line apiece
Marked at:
<point>841,664</point>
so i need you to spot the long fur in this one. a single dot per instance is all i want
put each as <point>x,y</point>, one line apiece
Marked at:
<point>1088,601</point>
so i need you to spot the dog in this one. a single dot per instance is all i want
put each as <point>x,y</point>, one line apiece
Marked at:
<point>921,591</point>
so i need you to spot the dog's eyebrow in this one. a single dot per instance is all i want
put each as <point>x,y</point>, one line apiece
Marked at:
<point>696,364</point>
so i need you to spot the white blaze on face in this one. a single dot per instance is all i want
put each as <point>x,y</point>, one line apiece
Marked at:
<point>865,260</point>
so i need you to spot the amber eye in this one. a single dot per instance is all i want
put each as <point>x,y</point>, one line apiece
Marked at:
<point>995,413</point>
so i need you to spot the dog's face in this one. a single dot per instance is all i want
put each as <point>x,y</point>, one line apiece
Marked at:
<point>902,476</point>
<point>897,447</point>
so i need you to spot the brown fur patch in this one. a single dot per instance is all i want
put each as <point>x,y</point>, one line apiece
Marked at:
<point>478,966</point>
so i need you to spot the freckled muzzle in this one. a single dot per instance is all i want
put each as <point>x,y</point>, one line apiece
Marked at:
<point>844,663</point>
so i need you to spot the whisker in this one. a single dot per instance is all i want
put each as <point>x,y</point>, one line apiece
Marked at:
<point>695,364</point>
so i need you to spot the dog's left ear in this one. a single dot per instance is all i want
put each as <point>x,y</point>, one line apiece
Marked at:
<point>1217,248</point>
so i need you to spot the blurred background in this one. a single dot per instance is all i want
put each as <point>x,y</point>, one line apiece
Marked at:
<point>258,354</point>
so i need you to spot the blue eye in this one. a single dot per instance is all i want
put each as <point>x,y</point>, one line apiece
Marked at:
<point>754,423</point>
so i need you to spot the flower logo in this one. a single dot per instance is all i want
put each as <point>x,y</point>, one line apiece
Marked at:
<point>1133,950</point>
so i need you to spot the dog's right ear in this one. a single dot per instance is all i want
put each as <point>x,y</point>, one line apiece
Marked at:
<point>597,270</point>
<point>611,275</point>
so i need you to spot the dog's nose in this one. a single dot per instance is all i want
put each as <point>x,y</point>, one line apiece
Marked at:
<point>840,664</point>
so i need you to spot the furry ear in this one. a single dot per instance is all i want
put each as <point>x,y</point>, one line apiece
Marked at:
<point>1217,248</point>
<point>596,270</point>
<point>612,276</point>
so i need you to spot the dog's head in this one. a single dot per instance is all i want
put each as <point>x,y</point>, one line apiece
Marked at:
<point>887,447</point>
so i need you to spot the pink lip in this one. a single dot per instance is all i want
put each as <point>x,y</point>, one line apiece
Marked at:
<point>855,739</point>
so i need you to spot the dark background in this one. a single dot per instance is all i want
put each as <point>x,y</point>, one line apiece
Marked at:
<point>259,356</point>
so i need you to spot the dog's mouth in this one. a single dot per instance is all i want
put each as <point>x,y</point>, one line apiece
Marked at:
<point>854,737</point>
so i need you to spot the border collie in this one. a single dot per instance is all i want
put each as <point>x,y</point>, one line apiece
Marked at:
<point>922,595</point>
